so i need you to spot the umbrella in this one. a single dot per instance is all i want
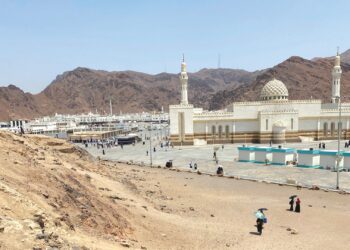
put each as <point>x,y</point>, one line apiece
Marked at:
<point>263,209</point>
<point>293,196</point>
<point>259,215</point>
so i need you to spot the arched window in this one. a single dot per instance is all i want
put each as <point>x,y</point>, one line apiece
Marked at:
<point>325,129</point>
<point>220,131</point>
<point>332,128</point>
<point>291,124</point>
<point>267,124</point>
<point>213,130</point>
<point>227,131</point>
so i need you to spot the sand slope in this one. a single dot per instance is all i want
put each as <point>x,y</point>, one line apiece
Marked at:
<point>52,194</point>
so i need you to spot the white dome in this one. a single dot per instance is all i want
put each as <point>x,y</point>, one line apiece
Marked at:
<point>274,90</point>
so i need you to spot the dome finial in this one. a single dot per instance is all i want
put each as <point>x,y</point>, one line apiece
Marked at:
<point>183,57</point>
<point>337,50</point>
<point>273,74</point>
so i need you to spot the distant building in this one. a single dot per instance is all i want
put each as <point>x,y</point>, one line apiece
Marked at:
<point>272,118</point>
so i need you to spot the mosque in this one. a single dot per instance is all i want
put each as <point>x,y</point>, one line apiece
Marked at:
<point>274,118</point>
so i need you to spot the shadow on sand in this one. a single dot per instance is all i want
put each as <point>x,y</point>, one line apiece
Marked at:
<point>254,233</point>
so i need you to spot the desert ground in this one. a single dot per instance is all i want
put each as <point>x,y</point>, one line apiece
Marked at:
<point>54,195</point>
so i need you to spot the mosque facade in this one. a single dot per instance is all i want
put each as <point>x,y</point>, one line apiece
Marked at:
<point>274,118</point>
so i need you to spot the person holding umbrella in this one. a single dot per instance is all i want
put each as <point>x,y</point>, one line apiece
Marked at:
<point>291,202</point>
<point>260,220</point>
<point>297,205</point>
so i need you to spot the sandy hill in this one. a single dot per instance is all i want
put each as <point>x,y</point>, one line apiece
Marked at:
<point>55,196</point>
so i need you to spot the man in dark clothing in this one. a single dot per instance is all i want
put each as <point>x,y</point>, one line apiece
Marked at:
<point>291,203</point>
<point>22,130</point>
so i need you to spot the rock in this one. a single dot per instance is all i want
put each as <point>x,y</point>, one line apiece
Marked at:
<point>228,245</point>
<point>163,235</point>
<point>292,230</point>
<point>115,197</point>
<point>198,172</point>
<point>125,244</point>
<point>310,205</point>
<point>143,247</point>
<point>2,229</point>
<point>45,194</point>
<point>41,236</point>
<point>212,215</point>
<point>191,208</point>
<point>315,187</point>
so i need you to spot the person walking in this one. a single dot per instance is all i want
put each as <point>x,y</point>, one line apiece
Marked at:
<point>154,149</point>
<point>259,225</point>
<point>147,153</point>
<point>291,203</point>
<point>297,205</point>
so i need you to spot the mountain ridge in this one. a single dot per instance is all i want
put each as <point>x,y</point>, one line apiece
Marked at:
<point>84,90</point>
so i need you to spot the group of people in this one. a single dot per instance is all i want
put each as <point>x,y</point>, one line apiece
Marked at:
<point>193,165</point>
<point>347,144</point>
<point>297,204</point>
<point>261,218</point>
<point>322,145</point>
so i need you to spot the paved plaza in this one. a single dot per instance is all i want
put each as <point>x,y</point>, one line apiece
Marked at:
<point>182,156</point>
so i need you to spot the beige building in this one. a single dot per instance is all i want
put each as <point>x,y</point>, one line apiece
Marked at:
<point>272,118</point>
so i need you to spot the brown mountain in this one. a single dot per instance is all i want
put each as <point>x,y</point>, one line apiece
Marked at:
<point>304,79</point>
<point>84,90</point>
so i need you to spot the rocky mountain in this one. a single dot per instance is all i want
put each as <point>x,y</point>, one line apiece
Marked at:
<point>304,79</point>
<point>85,90</point>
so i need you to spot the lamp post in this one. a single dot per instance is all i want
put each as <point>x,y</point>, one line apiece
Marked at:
<point>339,157</point>
<point>150,144</point>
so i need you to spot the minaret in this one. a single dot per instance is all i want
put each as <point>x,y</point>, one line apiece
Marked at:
<point>183,80</point>
<point>336,75</point>
<point>110,107</point>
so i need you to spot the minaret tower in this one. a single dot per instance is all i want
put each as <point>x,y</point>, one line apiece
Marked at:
<point>336,75</point>
<point>183,80</point>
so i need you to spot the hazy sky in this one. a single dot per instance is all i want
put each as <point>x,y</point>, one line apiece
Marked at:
<point>41,39</point>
